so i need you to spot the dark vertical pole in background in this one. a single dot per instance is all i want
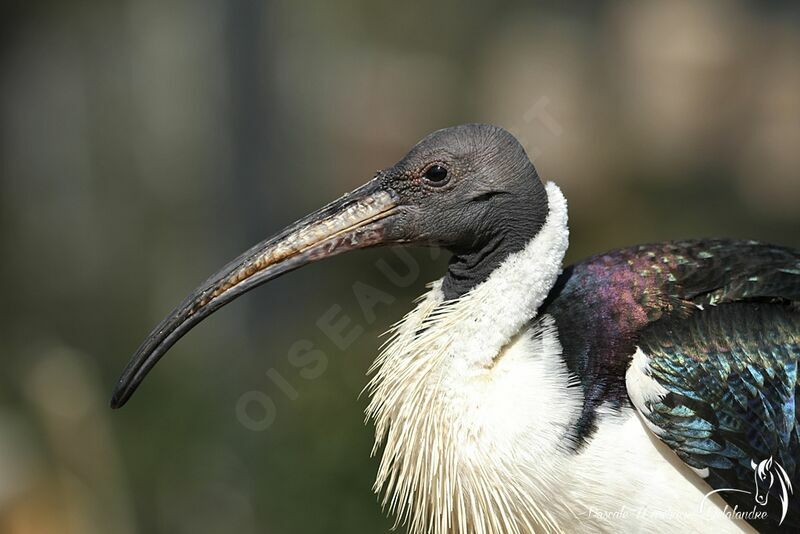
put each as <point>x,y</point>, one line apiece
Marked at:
<point>256,165</point>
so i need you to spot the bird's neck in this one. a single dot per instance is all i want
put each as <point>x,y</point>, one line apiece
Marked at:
<point>475,327</point>
<point>513,292</point>
<point>456,395</point>
<point>525,215</point>
<point>467,270</point>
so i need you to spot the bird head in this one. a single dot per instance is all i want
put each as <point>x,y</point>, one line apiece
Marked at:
<point>470,189</point>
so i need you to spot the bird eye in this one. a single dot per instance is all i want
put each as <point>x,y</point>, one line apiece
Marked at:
<point>436,175</point>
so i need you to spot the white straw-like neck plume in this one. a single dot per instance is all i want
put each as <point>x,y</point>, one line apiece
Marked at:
<point>434,474</point>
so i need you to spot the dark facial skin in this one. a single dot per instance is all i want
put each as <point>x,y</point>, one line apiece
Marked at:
<point>489,204</point>
<point>470,189</point>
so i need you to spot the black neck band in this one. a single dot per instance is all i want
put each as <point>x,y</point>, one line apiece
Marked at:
<point>519,220</point>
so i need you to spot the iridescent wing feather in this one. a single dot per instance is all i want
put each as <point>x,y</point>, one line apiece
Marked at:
<point>727,372</point>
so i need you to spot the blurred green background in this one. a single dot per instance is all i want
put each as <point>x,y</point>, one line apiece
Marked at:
<point>145,143</point>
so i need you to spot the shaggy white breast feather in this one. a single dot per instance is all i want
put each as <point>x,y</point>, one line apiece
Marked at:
<point>467,391</point>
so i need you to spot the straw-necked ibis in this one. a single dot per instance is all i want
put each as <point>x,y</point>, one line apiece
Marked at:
<point>652,387</point>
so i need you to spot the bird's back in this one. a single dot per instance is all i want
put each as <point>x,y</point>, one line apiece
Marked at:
<point>697,308</point>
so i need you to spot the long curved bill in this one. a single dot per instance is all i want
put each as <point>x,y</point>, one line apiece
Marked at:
<point>360,219</point>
